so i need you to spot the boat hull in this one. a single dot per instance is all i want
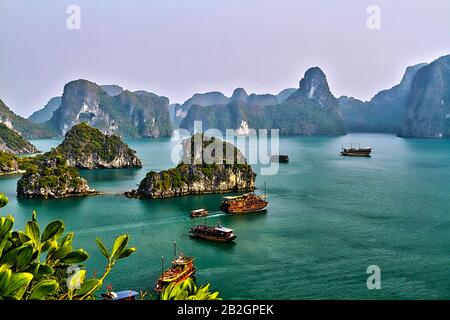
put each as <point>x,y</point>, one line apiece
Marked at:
<point>244,210</point>
<point>211,238</point>
<point>163,283</point>
<point>353,154</point>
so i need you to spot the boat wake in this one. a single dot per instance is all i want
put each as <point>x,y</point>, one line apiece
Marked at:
<point>138,225</point>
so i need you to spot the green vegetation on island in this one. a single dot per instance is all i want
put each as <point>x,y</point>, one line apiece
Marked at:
<point>12,142</point>
<point>87,147</point>
<point>50,176</point>
<point>193,177</point>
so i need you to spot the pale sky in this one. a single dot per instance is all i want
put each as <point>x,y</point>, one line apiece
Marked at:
<point>176,48</point>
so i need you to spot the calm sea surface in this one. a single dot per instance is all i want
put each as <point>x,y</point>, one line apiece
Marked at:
<point>329,218</point>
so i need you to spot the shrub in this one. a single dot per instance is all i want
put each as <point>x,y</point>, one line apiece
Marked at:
<point>34,265</point>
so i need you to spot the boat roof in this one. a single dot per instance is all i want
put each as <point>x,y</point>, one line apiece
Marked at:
<point>223,229</point>
<point>198,210</point>
<point>183,260</point>
<point>124,294</point>
<point>232,197</point>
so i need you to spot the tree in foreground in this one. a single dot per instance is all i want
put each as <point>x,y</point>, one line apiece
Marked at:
<point>36,266</point>
<point>187,290</point>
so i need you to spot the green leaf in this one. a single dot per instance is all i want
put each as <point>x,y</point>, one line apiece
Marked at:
<point>5,275</point>
<point>24,256</point>
<point>43,289</point>
<point>4,245</point>
<point>49,244</point>
<point>23,237</point>
<point>18,284</point>
<point>67,240</point>
<point>127,253</point>
<point>32,231</point>
<point>61,252</point>
<point>10,258</point>
<point>88,287</point>
<point>119,246</point>
<point>44,269</point>
<point>52,229</point>
<point>102,248</point>
<point>76,256</point>
<point>6,224</point>
<point>3,200</point>
<point>33,216</point>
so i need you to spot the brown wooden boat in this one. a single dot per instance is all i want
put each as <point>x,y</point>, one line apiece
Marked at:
<point>198,213</point>
<point>356,152</point>
<point>218,233</point>
<point>245,203</point>
<point>181,269</point>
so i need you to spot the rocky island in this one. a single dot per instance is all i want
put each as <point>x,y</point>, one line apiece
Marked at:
<point>188,177</point>
<point>86,147</point>
<point>12,142</point>
<point>50,176</point>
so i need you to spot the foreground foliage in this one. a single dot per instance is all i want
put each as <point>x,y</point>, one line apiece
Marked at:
<point>187,290</point>
<point>35,265</point>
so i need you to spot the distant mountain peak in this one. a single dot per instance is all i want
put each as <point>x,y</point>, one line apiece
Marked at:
<point>239,94</point>
<point>314,86</point>
<point>112,89</point>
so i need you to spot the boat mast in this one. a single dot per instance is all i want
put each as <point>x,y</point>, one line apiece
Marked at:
<point>175,249</point>
<point>162,264</point>
<point>265,188</point>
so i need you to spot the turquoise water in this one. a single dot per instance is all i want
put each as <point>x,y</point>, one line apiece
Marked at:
<point>329,218</point>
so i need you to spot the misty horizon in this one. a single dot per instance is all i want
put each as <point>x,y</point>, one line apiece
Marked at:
<point>178,49</point>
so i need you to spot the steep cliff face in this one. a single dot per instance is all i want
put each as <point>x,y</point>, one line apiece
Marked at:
<point>86,147</point>
<point>12,142</point>
<point>191,178</point>
<point>50,176</point>
<point>126,114</point>
<point>384,113</point>
<point>314,86</point>
<point>427,112</point>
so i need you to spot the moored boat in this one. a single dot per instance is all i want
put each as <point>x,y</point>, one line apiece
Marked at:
<point>245,203</point>
<point>199,213</point>
<point>356,152</point>
<point>121,295</point>
<point>218,233</point>
<point>282,158</point>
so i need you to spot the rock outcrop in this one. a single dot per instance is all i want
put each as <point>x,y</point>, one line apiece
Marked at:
<point>50,176</point>
<point>194,176</point>
<point>427,113</point>
<point>12,142</point>
<point>126,114</point>
<point>86,147</point>
<point>385,112</point>
<point>8,163</point>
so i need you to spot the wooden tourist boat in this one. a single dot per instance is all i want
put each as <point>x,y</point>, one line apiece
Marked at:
<point>218,233</point>
<point>245,203</point>
<point>181,269</point>
<point>356,152</point>
<point>199,213</point>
